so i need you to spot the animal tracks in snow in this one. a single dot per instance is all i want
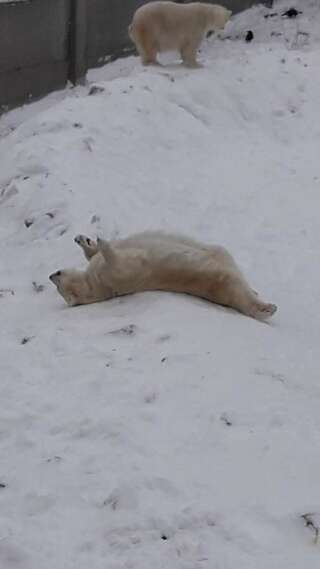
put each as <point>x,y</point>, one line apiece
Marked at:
<point>50,224</point>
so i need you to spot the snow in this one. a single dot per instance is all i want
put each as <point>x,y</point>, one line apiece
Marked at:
<point>159,430</point>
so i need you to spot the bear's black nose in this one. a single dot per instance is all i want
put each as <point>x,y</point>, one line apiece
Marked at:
<point>54,275</point>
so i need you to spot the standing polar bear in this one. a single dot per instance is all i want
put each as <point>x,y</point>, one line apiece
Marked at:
<point>159,261</point>
<point>165,26</point>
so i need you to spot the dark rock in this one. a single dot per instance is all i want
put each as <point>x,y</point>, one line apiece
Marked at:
<point>28,222</point>
<point>291,13</point>
<point>249,36</point>
<point>95,89</point>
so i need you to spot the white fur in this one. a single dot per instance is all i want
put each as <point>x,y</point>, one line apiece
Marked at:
<point>163,26</point>
<point>159,261</point>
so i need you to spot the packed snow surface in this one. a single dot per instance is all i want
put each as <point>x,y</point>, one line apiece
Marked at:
<point>159,430</point>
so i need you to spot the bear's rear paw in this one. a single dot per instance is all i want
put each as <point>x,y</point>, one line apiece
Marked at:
<point>193,64</point>
<point>264,311</point>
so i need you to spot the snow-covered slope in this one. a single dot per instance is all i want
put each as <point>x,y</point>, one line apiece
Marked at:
<point>158,430</point>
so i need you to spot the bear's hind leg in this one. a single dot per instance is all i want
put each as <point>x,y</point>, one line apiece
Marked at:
<point>232,290</point>
<point>189,54</point>
<point>146,49</point>
<point>246,300</point>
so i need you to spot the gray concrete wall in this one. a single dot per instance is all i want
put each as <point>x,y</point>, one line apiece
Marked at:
<point>108,22</point>
<point>33,48</point>
<point>43,43</point>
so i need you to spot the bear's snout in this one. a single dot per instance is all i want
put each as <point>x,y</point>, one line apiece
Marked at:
<point>54,277</point>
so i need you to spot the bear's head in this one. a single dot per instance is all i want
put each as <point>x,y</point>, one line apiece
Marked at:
<point>71,285</point>
<point>218,16</point>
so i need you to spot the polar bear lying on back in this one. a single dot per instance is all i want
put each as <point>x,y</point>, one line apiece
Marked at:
<point>159,261</point>
<point>165,26</point>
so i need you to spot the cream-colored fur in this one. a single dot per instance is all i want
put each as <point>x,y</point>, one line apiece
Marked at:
<point>159,261</point>
<point>165,26</point>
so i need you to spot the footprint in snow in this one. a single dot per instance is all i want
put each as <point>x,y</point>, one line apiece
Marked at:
<point>8,191</point>
<point>46,225</point>
<point>129,330</point>
<point>6,292</point>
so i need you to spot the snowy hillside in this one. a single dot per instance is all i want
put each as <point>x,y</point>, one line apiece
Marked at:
<point>159,430</point>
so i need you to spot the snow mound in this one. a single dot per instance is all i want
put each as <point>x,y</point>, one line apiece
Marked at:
<point>159,430</point>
